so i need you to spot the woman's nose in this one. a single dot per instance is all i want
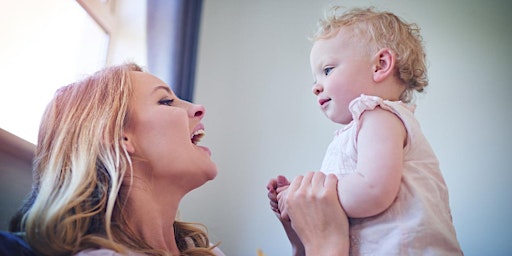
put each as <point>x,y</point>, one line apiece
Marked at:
<point>317,89</point>
<point>196,110</point>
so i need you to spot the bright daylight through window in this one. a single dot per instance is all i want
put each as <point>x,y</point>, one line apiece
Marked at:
<point>45,45</point>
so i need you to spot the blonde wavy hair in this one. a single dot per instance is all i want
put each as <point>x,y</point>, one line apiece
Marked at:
<point>383,30</point>
<point>79,167</point>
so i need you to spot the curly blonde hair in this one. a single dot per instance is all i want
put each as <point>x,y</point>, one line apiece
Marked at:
<point>383,30</point>
<point>79,168</point>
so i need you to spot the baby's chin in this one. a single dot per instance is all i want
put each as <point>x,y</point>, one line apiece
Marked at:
<point>338,120</point>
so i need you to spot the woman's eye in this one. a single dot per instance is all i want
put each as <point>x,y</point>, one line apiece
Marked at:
<point>167,102</point>
<point>327,71</point>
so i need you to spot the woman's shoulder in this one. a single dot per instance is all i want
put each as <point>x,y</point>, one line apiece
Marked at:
<point>108,252</point>
<point>218,252</point>
<point>98,252</point>
<point>104,252</point>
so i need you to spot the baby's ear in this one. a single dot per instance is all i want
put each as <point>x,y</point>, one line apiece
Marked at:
<point>384,64</point>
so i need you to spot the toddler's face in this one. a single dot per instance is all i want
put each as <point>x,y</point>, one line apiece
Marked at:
<point>342,70</point>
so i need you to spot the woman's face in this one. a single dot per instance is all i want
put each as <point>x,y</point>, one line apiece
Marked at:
<point>164,131</point>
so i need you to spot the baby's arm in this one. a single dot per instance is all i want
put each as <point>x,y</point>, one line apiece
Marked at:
<point>375,184</point>
<point>277,187</point>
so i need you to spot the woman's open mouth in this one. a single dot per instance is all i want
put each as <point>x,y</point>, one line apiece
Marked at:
<point>197,136</point>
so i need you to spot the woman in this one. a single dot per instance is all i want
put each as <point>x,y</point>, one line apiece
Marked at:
<point>116,153</point>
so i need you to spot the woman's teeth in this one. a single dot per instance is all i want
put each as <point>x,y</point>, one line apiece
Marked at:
<point>197,135</point>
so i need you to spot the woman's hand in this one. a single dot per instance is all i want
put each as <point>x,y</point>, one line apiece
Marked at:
<point>316,214</point>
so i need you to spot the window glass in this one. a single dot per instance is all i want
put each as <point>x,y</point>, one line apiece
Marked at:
<point>45,45</point>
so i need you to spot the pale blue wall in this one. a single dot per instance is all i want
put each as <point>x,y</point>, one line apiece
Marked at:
<point>254,79</point>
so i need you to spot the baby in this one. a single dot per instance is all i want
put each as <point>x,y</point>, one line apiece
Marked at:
<point>367,66</point>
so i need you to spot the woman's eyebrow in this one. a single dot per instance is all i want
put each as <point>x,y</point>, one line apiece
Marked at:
<point>162,87</point>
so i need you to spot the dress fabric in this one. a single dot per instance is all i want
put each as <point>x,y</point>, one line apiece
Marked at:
<point>419,221</point>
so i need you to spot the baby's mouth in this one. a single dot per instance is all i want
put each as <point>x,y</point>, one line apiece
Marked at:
<point>322,102</point>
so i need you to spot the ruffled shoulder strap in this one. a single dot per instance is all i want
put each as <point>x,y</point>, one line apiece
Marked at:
<point>367,102</point>
<point>363,103</point>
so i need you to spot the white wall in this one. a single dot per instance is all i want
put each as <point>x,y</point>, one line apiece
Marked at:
<point>254,79</point>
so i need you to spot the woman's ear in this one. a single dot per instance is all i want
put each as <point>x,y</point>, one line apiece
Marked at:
<point>128,144</point>
<point>384,65</point>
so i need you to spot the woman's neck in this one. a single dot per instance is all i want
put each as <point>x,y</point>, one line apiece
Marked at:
<point>151,215</point>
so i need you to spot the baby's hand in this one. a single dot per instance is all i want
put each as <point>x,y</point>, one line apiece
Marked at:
<point>282,193</point>
<point>275,187</point>
<point>277,192</point>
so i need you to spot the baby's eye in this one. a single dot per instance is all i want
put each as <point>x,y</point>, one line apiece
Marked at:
<point>167,102</point>
<point>327,70</point>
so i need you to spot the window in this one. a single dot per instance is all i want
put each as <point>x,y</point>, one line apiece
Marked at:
<point>46,45</point>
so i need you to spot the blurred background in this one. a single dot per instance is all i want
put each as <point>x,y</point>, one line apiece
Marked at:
<point>251,72</point>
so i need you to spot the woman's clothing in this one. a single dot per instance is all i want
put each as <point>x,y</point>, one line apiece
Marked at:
<point>104,252</point>
<point>419,221</point>
<point>107,252</point>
